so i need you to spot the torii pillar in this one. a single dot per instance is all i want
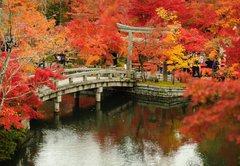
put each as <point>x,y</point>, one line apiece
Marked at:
<point>130,30</point>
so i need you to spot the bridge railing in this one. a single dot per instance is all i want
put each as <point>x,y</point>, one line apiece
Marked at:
<point>96,74</point>
<point>78,70</point>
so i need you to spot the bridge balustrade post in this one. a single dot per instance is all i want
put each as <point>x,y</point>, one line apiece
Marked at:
<point>110,75</point>
<point>70,80</point>
<point>121,76</point>
<point>84,78</point>
<point>56,83</point>
<point>98,76</point>
<point>98,94</point>
<point>133,75</point>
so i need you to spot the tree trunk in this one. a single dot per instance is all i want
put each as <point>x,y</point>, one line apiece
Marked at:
<point>165,75</point>
<point>173,78</point>
<point>3,73</point>
<point>60,13</point>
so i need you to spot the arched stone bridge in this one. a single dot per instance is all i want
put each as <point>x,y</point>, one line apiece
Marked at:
<point>85,79</point>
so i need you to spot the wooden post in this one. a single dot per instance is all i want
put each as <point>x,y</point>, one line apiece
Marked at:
<point>165,75</point>
<point>173,78</point>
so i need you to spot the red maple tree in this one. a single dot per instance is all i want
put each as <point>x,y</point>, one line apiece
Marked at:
<point>18,95</point>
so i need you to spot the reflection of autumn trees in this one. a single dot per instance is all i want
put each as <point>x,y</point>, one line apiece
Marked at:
<point>144,123</point>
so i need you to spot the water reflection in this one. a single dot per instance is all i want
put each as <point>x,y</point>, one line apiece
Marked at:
<point>117,132</point>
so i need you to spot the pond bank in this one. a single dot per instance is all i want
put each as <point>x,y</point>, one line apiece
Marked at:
<point>154,92</point>
<point>157,91</point>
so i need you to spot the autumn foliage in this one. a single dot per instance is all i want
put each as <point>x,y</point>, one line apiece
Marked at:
<point>217,104</point>
<point>19,93</point>
<point>181,30</point>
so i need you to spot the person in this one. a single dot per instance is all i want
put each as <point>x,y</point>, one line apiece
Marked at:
<point>209,63</point>
<point>215,67</point>
<point>196,69</point>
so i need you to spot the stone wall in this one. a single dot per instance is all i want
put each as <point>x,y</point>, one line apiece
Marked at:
<point>156,91</point>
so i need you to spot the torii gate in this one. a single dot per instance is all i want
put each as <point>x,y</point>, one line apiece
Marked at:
<point>130,30</point>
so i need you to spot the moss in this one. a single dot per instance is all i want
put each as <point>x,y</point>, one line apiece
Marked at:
<point>9,141</point>
<point>162,91</point>
<point>165,84</point>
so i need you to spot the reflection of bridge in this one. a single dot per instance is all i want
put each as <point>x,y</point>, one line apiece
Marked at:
<point>81,79</point>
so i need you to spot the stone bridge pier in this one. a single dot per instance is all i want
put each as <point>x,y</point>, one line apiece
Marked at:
<point>99,94</point>
<point>58,99</point>
<point>57,102</point>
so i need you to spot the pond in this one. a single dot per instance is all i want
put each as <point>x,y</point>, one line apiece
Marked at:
<point>121,131</point>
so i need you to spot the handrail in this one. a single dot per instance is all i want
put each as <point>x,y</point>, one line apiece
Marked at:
<point>86,74</point>
<point>103,71</point>
<point>80,70</point>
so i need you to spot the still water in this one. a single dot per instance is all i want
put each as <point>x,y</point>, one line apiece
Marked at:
<point>120,132</point>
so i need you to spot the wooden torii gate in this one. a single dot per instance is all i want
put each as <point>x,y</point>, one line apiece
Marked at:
<point>130,30</point>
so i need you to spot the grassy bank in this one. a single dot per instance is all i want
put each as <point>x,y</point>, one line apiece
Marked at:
<point>165,84</point>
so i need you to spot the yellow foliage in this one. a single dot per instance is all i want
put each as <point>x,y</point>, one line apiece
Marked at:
<point>166,15</point>
<point>29,68</point>
<point>170,38</point>
<point>177,58</point>
<point>213,55</point>
<point>172,33</point>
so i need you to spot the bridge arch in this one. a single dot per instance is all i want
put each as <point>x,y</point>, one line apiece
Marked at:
<point>81,80</point>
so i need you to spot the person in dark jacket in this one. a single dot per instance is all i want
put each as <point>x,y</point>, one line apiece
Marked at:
<point>196,69</point>
<point>215,67</point>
